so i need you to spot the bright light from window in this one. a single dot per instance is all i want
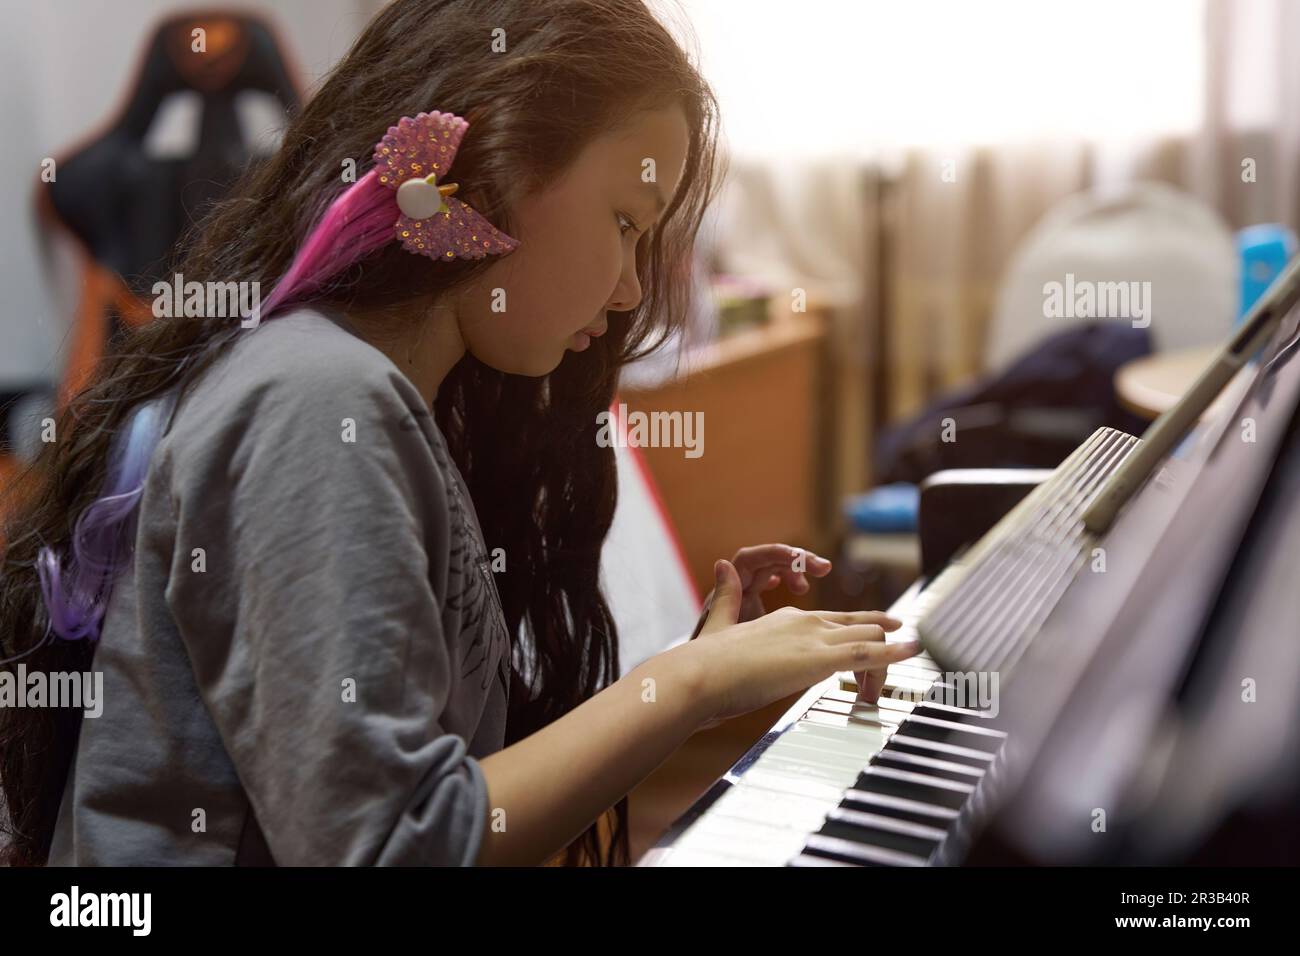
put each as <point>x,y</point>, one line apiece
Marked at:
<point>855,76</point>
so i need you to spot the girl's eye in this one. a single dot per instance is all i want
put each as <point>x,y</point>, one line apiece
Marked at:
<point>625,223</point>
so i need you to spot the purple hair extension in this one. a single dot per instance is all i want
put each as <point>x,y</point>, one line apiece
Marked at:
<point>77,588</point>
<point>77,593</point>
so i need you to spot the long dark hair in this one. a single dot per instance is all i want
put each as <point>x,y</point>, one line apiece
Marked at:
<point>571,70</point>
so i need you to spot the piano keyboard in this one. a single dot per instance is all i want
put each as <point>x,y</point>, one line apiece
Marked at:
<point>842,783</point>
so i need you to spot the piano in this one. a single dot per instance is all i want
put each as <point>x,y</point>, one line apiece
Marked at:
<point>1123,697</point>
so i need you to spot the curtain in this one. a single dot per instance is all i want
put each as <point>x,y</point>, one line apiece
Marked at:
<point>911,240</point>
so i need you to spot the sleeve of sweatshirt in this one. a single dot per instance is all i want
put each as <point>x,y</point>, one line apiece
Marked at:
<point>308,582</point>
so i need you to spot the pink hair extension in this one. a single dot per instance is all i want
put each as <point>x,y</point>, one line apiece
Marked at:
<point>356,224</point>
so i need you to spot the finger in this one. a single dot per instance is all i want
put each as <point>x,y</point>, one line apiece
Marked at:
<point>869,655</point>
<point>873,680</point>
<point>758,555</point>
<point>727,597</point>
<point>756,562</point>
<point>854,633</point>
<point>879,618</point>
<point>813,564</point>
<point>786,556</point>
<point>870,684</point>
<point>782,557</point>
<point>768,576</point>
<point>796,581</point>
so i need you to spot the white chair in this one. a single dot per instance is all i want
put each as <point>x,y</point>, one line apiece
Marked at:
<point>1145,232</point>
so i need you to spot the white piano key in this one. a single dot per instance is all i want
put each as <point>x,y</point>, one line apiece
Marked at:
<point>789,811</point>
<point>850,696</point>
<point>758,776</point>
<point>836,766</point>
<point>914,688</point>
<point>708,855</point>
<point>805,859</point>
<point>915,667</point>
<point>803,765</point>
<point>871,713</point>
<point>848,722</point>
<point>852,744</point>
<point>677,856</point>
<point>900,704</point>
<point>903,682</point>
<point>759,844</point>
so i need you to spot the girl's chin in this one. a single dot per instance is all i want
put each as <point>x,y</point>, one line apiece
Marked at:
<point>532,365</point>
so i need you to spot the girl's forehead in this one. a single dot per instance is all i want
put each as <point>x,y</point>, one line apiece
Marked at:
<point>660,136</point>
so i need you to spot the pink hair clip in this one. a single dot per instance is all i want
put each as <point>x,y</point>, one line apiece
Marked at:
<point>411,159</point>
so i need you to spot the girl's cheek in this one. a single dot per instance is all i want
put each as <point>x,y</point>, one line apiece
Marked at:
<point>612,269</point>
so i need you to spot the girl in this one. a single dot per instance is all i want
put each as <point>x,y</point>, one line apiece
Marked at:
<point>280,555</point>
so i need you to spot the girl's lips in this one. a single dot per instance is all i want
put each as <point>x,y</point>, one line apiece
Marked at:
<point>581,341</point>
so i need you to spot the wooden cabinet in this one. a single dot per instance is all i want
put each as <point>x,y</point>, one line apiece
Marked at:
<point>759,477</point>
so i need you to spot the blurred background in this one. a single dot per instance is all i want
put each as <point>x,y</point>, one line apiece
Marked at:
<point>907,180</point>
<point>904,178</point>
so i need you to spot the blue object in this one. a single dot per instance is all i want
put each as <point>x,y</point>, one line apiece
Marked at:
<point>889,509</point>
<point>1264,250</point>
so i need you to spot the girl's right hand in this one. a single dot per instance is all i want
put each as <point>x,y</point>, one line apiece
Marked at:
<point>743,667</point>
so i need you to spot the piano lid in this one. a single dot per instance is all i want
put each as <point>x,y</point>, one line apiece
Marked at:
<point>1092,711</point>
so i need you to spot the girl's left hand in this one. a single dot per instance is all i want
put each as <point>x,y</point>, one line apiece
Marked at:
<point>762,568</point>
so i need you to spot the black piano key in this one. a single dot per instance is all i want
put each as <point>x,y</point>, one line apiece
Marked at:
<point>867,832</point>
<point>927,764</point>
<point>971,756</point>
<point>952,732</point>
<point>869,819</point>
<point>944,711</point>
<point>904,809</point>
<point>910,785</point>
<point>862,854</point>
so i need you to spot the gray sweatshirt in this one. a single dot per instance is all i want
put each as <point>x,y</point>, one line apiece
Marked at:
<point>307,653</point>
